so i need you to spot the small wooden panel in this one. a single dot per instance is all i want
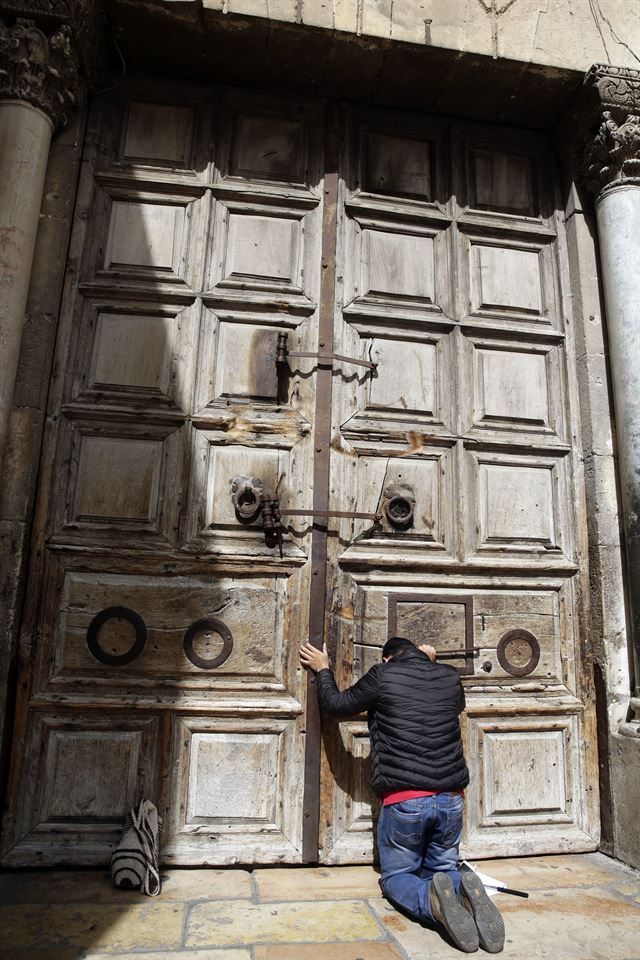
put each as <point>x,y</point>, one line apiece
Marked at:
<point>268,148</point>
<point>444,622</point>
<point>131,353</point>
<point>145,237</point>
<point>262,250</point>
<point>525,772</point>
<point>398,266</point>
<point>237,362</point>
<point>251,609</point>
<point>108,792</point>
<point>411,391</point>
<point>520,503</point>
<point>406,376</point>
<point>517,388</point>
<point>130,494</point>
<point>502,182</point>
<point>516,504</point>
<point>349,837</point>
<point>496,613</point>
<point>425,479</point>
<point>398,166</point>
<point>512,385</point>
<point>118,474</point>
<point>220,464</point>
<point>506,279</point>
<point>84,772</point>
<point>158,134</point>
<point>226,817</point>
<point>215,791</point>
<point>525,781</point>
<point>245,365</point>
<point>394,160</point>
<point>393,269</point>
<point>136,355</point>
<point>268,141</point>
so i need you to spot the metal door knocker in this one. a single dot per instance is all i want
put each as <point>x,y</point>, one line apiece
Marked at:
<point>399,507</point>
<point>116,613</point>
<point>246,493</point>
<point>205,626</point>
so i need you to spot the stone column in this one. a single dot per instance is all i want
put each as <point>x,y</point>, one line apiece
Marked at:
<point>38,82</point>
<point>613,176</point>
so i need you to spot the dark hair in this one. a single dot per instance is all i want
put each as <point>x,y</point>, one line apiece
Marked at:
<point>396,645</point>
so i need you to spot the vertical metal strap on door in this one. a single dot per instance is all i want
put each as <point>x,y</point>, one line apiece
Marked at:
<point>321,468</point>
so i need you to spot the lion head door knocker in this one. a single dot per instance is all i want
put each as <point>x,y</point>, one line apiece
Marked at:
<point>399,506</point>
<point>246,493</point>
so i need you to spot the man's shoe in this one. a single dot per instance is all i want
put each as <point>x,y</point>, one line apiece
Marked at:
<point>485,913</point>
<point>447,910</point>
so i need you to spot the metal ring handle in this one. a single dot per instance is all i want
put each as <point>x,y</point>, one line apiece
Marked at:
<point>501,652</point>
<point>216,626</point>
<point>111,613</point>
<point>399,511</point>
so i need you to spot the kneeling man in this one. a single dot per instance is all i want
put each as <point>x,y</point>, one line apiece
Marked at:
<point>419,771</point>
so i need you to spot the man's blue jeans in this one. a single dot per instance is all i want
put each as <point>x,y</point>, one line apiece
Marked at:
<point>417,838</point>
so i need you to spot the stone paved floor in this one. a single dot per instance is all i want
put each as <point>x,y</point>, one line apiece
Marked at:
<point>581,907</point>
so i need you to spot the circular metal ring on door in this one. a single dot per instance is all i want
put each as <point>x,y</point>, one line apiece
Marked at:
<point>399,511</point>
<point>214,626</point>
<point>116,613</point>
<point>510,639</point>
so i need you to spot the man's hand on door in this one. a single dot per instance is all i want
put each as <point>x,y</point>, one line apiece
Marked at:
<point>430,651</point>
<point>312,658</point>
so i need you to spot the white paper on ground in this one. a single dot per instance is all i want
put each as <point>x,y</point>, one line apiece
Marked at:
<point>491,885</point>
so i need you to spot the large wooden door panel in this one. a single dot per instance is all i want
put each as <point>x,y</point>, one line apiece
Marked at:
<point>451,256</point>
<point>158,597</point>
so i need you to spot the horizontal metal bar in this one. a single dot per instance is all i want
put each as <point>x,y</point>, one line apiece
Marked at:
<point>332,356</point>
<point>455,654</point>
<point>329,513</point>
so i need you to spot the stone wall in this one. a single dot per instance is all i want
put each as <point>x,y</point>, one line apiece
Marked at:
<point>20,470</point>
<point>571,34</point>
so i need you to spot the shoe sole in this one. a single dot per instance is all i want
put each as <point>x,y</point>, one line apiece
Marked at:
<point>485,914</point>
<point>457,921</point>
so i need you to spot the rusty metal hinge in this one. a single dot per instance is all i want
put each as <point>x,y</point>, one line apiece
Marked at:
<point>326,359</point>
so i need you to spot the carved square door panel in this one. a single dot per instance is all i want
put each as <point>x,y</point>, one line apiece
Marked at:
<point>314,379</point>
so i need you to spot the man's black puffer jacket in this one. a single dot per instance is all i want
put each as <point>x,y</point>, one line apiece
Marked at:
<point>413,707</point>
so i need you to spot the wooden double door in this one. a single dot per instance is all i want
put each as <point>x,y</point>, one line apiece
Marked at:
<point>159,653</point>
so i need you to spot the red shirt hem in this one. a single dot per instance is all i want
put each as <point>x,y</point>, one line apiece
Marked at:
<point>397,796</point>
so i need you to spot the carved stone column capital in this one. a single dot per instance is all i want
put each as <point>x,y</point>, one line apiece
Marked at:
<point>50,50</point>
<point>613,155</point>
<point>39,69</point>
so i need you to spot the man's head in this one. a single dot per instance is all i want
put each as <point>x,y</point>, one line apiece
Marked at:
<point>394,646</point>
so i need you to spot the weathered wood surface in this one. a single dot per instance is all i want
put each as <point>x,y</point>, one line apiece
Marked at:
<point>197,242</point>
<point>202,245</point>
<point>455,293</point>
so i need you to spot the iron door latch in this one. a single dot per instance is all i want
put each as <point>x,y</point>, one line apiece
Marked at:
<point>272,516</point>
<point>324,359</point>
